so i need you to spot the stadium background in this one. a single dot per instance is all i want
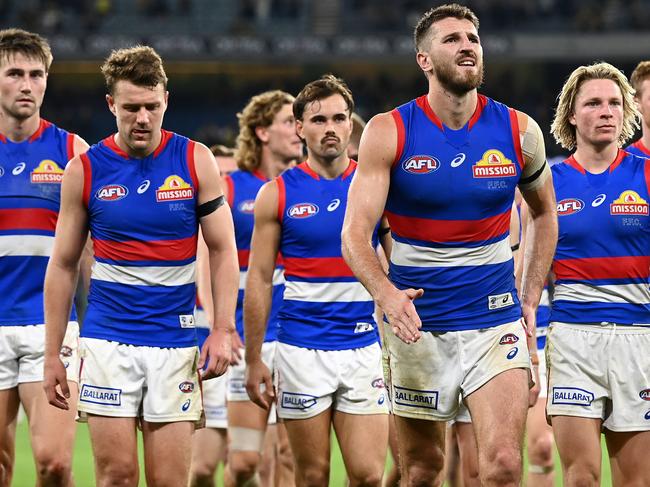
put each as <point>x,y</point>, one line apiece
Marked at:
<point>220,52</point>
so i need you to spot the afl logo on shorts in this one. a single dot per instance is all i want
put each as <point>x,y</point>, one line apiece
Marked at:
<point>645,394</point>
<point>508,339</point>
<point>302,210</point>
<point>247,207</point>
<point>111,192</point>
<point>186,387</point>
<point>421,164</point>
<point>569,206</point>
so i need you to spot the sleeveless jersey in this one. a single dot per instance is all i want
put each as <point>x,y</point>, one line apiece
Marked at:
<point>449,205</point>
<point>30,194</point>
<point>602,260</point>
<point>243,187</point>
<point>638,149</point>
<point>143,223</point>
<point>325,307</point>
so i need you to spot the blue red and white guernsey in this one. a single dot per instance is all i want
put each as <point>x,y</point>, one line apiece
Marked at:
<point>638,149</point>
<point>243,187</point>
<point>30,194</point>
<point>143,223</point>
<point>449,206</point>
<point>543,318</point>
<point>325,307</point>
<point>602,261</point>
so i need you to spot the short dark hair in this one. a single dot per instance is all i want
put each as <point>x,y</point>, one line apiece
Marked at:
<point>323,87</point>
<point>439,13</point>
<point>30,45</point>
<point>141,65</point>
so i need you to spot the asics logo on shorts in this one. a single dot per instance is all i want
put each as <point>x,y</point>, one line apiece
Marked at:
<point>186,405</point>
<point>512,353</point>
<point>647,416</point>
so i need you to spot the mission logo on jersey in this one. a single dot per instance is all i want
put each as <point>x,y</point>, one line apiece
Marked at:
<point>494,164</point>
<point>174,189</point>
<point>629,203</point>
<point>47,171</point>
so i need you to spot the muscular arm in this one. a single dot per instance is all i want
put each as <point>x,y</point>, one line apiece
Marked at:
<point>541,225</point>
<point>366,201</point>
<point>259,281</point>
<point>61,277</point>
<point>80,146</point>
<point>219,237</point>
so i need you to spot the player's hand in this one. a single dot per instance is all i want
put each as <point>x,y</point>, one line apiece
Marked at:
<point>533,392</point>
<point>529,317</point>
<point>258,374</point>
<point>398,307</point>
<point>237,347</point>
<point>54,375</point>
<point>216,353</point>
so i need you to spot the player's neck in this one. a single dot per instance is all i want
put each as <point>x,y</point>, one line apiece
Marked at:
<point>595,159</point>
<point>138,153</point>
<point>18,130</point>
<point>272,166</point>
<point>452,109</point>
<point>328,168</point>
<point>645,137</point>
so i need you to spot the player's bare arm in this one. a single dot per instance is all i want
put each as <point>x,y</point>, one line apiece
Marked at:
<point>366,201</point>
<point>258,293</point>
<point>536,187</point>
<point>61,279</point>
<point>218,233</point>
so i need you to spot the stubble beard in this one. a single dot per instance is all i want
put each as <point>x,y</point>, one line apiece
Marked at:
<point>457,83</point>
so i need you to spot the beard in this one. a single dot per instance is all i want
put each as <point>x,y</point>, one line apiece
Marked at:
<point>458,83</point>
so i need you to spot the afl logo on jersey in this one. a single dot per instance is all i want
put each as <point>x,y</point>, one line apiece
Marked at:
<point>173,189</point>
<point>47,172</point>
<point>111,192</point>
<point>494,164</point>
<point>247,207</point>
<point>629,203</point>
<point>569,206</point>
<point>302,210</point>
<point>421,164</point>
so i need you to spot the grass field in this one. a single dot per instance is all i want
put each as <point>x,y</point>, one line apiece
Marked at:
<point>83,463</point>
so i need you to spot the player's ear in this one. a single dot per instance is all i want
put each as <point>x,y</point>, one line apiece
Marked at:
<point>262,133</point>
<point>111,103</point>
<point>299,127</point>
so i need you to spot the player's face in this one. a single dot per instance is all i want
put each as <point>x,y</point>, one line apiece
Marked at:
<point>326,127</point>
<point>643,101</point>
<point>139,112</point>
<point>22,86</point>
<point>598,112</point>
<point>281,136</point>
<point>456,55</point>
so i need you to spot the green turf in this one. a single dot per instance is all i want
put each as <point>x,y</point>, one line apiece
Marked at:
<point>84,472</point>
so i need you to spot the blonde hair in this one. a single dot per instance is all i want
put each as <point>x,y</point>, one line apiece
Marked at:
<point>30,45</point>
<point>141,65</point>
<point>259,112</point>
<point>639,75</point>
<point>563,131</point>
